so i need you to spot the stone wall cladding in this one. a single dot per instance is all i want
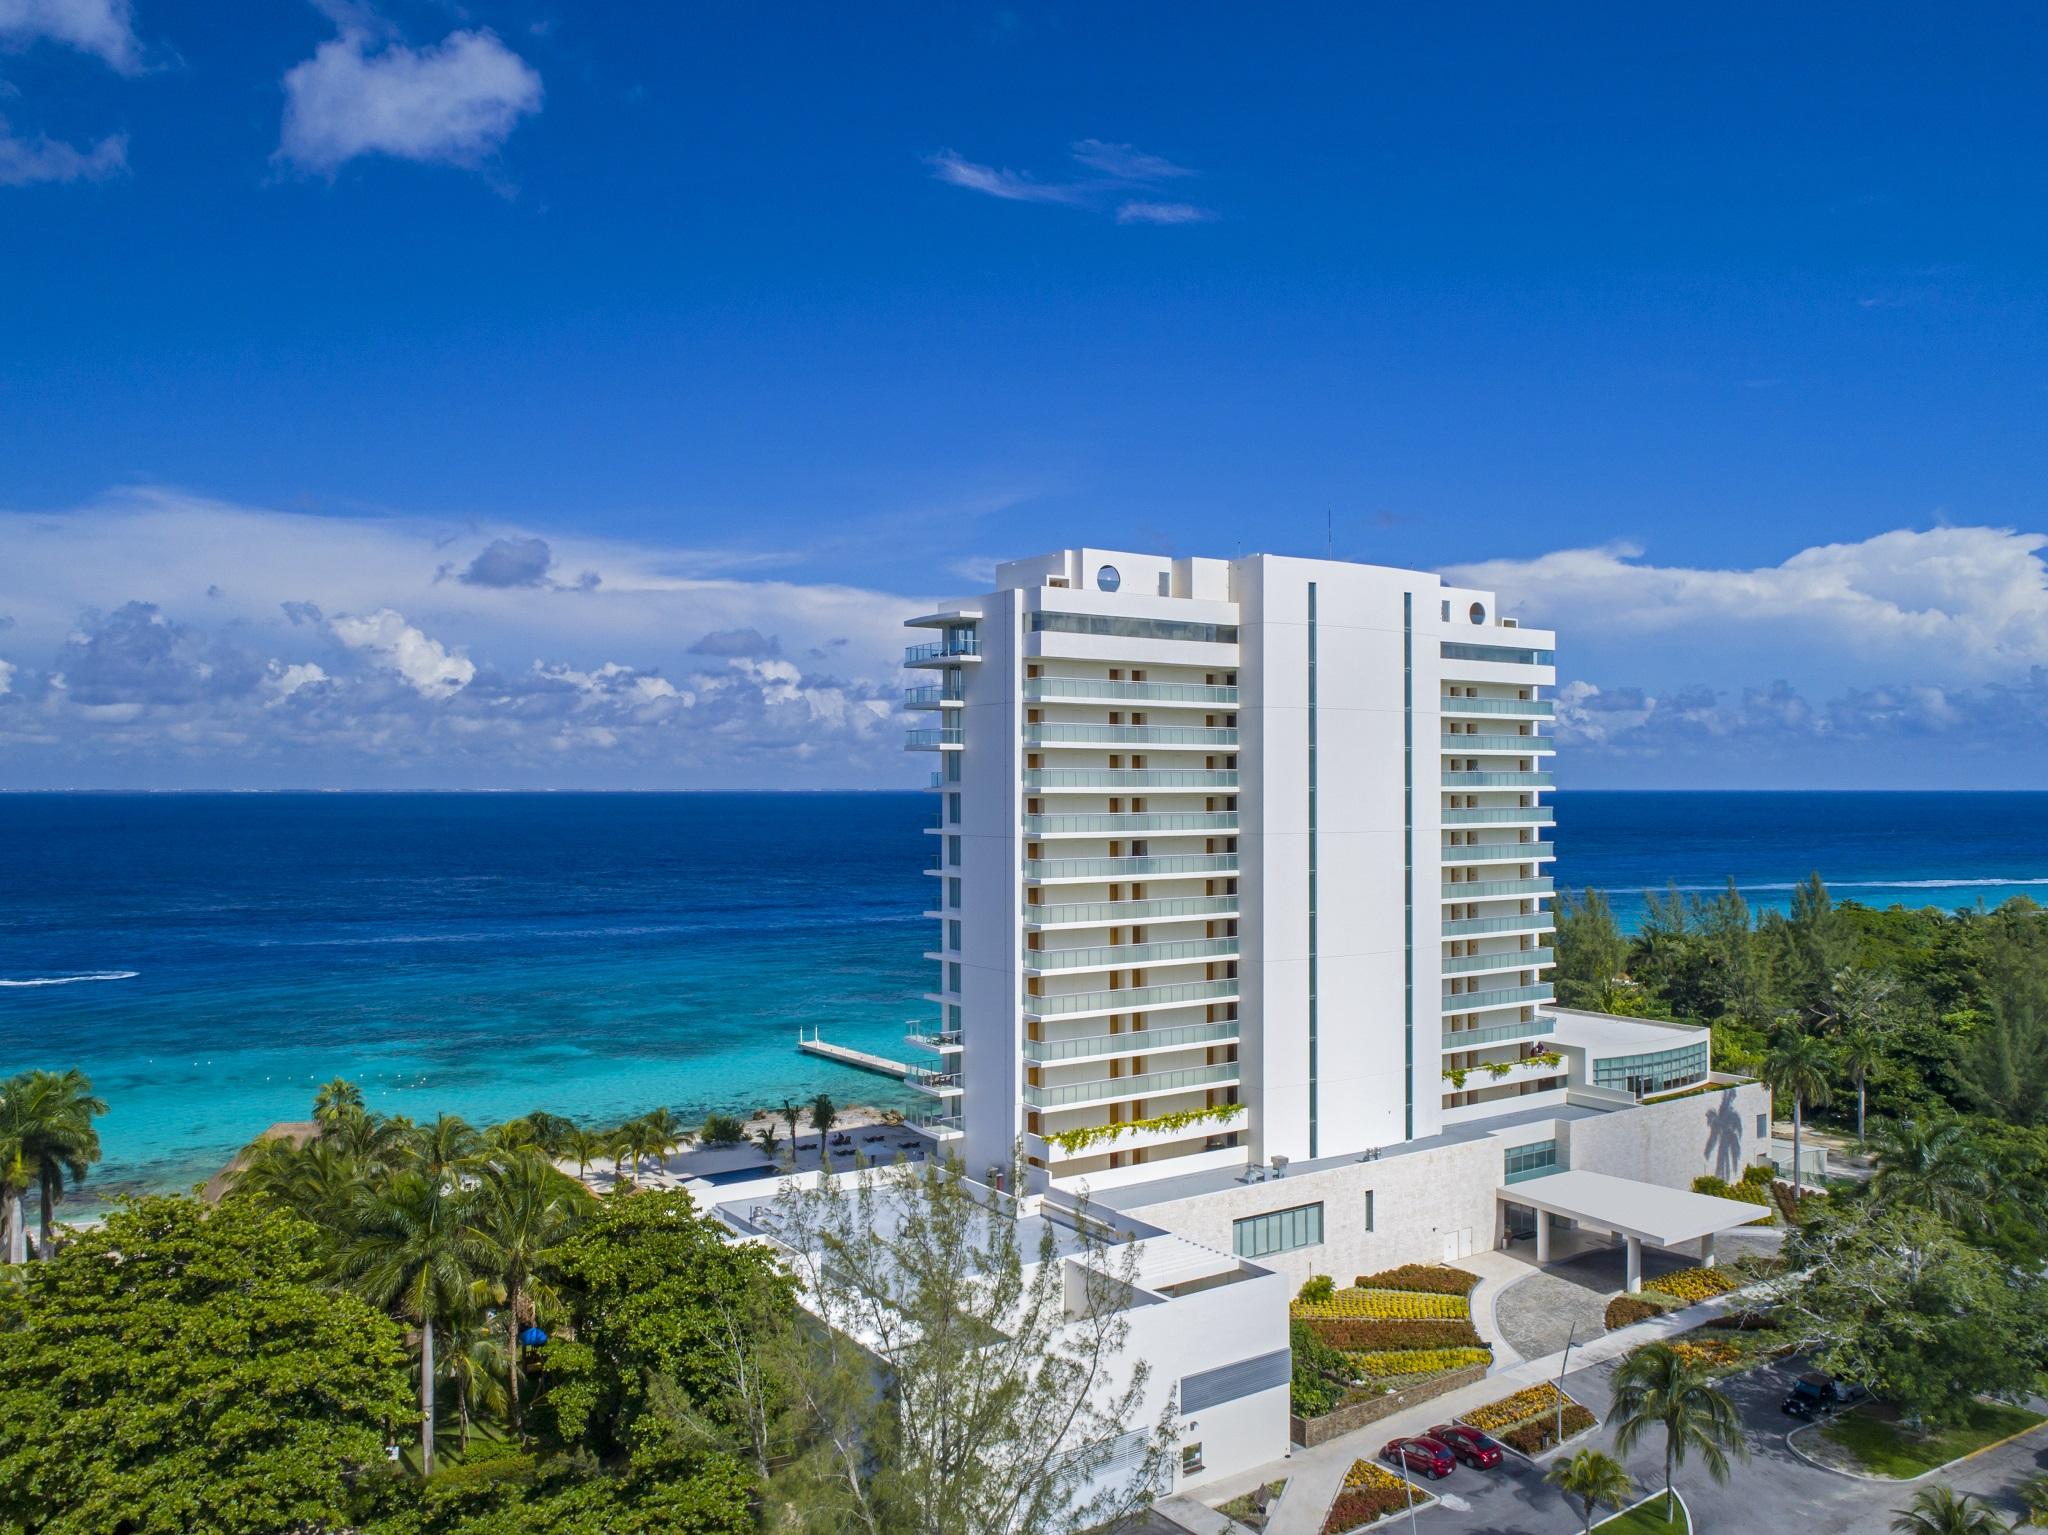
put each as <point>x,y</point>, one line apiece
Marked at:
<point>1310,1432</point>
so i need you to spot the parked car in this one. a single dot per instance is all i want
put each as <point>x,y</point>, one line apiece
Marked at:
<point>1472,1448</point>
<point>1816,1396</point>
<point>1432,1457</point>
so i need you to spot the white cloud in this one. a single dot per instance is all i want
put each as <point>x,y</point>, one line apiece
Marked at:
<point>1163,213</point>
<point>363,93</point>
<point>280,680</point>
<point>1126,162</point>
<point>6,678</point>
<point>26,162</point>
<point>1118,170</point>
<point>429,666</point>
<point>1013,186</point>
<point>103,28</point>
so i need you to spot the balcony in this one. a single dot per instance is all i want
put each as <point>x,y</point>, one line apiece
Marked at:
<point>1054,780</point>
<point>1500,996</point>
<point>1103,913</point>
<point>1132,999</point>
<point>1502,815</point>
<point>940,1127</point>
<point>1125,956</point>
<point>935,1084</point>
<point>1046,1052</point>
<point>947,739</point>
<point>1496,780</point>
<point>932,698</point>
<point>958,645</point>
<point>1497,852</point>
<point>1498,655</point>
<point>1133,825</point>
<point>1196,736</point>
<point>1484,889</point>
<point>1527,708</point>
<point>1497,1033</point>
<point>1150,1084</point>
<point>1476,743</point>
<point>1506,959</point>
<point>1519,922</point>
<point>1089,689</point>
<point>1153,866</point>
<point>939,1042</point>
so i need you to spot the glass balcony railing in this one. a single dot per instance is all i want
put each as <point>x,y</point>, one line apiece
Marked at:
<point>1151,866</point>
<point>1130,778</point>
<point>1477,743</point>
<point>935,1040</point>
<point>1505,959</point>
<point>930,697</point>
<point>1494,1034</point>
<point>1094,912</point>
<point>1045,688</point>
<point>1518,922</point>
<point>1130,998</point>
<point>1499,996</point>
<point>1506,655</point>
<point>1130,735</point>
<point>944,1083</point>
<point>1130,954</point>
<point>1502,815</point>
<point>1477,780</point>
<point>943,1127</point>
<point>1479,889</point>
<point>1530,708</point>
<point>1145,1085</point>
<point>1497,852</point>
<point>1044,1052</point>
<point>957,643</point>
<point>1133,825</point>
<point>933,740</point>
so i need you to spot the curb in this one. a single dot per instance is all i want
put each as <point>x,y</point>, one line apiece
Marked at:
<point>1652,1498</point>
<point>1896,1481</point>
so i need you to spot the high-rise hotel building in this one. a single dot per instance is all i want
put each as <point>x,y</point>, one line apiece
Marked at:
<point>1234,861</point>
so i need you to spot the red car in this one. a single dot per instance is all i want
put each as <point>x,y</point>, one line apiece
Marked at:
<point>1432,1457</point>
<point>1468,1444</point>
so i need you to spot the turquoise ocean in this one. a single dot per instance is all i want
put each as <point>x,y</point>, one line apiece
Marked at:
<point>211,959</point>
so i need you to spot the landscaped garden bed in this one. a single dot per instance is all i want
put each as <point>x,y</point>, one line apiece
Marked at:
<point>1668,1292</point>
<point>1371,1493</point>
<point>1871,1441</point>
<point>1253,1509</point>
<point>1528,1421</point>
<point>1390,1340</point>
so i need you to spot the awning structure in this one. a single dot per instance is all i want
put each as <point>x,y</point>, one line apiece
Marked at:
<point>1637,1212</point>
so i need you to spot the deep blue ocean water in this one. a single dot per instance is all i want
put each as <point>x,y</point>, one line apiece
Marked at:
<point>211,959</point>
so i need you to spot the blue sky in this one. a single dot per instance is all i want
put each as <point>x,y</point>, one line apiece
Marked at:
<point>498,395</point>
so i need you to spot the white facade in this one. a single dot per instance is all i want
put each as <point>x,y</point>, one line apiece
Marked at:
<point>1236,861</point>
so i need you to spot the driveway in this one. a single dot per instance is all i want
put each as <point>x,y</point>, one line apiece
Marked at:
<point>1537,1313</point>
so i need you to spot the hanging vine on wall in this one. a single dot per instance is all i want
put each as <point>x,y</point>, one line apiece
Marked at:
<point>1074,1141</point>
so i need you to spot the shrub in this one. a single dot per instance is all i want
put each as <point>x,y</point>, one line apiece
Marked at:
<point>1380,1363</point>
<point>1358,1334</point>
<point>724,1130</point>
<point>1627,1310</point>
<point>1694,1285</point>
<point>1539,1434</point>
<point>1320,1287</point>
<point>1707,1352</point>
<point>1526,1403</point>
<point>1745,1321</point>
<point>1382,1304</point>
<point>1369,1493</point>
<point>1747,1192</point>
<point>1313,1386</point>
<point>1760,1175</point>
<point>1425,1278</point>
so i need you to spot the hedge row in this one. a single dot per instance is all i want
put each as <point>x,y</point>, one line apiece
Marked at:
<point>1355,1334</point>
<point>1539,1434</point>
<point>1381,1364</point>
<point>1429,1278</point>
<point>1627,1310</point>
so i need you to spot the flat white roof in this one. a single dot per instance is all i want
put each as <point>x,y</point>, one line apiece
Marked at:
<point>1657,1215</point>
<point>1606,1034</point>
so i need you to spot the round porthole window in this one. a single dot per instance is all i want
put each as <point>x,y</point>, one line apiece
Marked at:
<point>1108,578</point>
<point>1478,612</point>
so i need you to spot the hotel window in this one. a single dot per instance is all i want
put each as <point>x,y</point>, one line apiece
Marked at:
<point>953,892</point>
<point>952,767</point>
<point>952,975</point>
<point>953,934</point>
<point>1257,1236</point>
<point>1190,1459</point>
<point>953,808</point>
<point>953,851</point>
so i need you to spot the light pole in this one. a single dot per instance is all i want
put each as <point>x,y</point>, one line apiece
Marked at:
<point>1570,1338</point>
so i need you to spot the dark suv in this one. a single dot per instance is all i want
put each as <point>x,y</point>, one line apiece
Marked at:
<point>1816,1396</point>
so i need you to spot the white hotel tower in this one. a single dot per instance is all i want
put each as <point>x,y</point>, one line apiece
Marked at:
<point>1236,862</point>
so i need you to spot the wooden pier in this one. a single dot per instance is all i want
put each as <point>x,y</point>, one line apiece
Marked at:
<point>861,1060</point>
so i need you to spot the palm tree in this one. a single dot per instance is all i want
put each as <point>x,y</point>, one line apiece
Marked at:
<point>1940,1510</point>
<point>415,1253</point>
<point>2033,1492</point>
<point>823,1116</point>
<point>1594,1478</point>
<point>586,1146</point>
<point>1858,1011</point>
<point>1932,1165</point>
<point>16,1176</point>
<point>49,1127</point>
<point>476,1363</point>
<point>768,1138</point>
<point>336,1098</point>
<point>319,1181</point>
<point>1796,1066</point>
<point>525,1207</point>
<point>447,1145</point>
<point>791,1116</point>
<point>664,1134</point>
<point>1860,1053</point>
<point>624,1140</point>
<point>1654,1387</point>
<point>551,1132</point>
<point>376,1142</point>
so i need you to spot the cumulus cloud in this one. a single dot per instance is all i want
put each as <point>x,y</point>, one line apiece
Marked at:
<point>432,670</point>
<point>366,93</point>
<point>136,655</point>
<point>103,28</point>
<point>26,162</point>
<point>1113,174</point>
<point>281,681</point>
<point>510,562</point>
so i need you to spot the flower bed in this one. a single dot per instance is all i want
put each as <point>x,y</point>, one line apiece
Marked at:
<point>1381,1304</point>
<point>1370,1493</point>
<point>1385,1363</point>
<point>1539,1434</point>
<point>1691,1286</point>
<point>1431,1278</point>
<point>1707,1353</point>
<point>1510,1410</point>
<point>1355,1334</point>
<point>1527,1422</point>
<point>1627,1310</point>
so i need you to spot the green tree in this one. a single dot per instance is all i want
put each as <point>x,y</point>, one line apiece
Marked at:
<point>792,1116</point>
<point>415,1252</point>
<point>1941,1510</point>
<point>1591,952</point>
<point>1654,1387</point>
<point>1818,944</point>
<point>823,1117</point>
<point>185,1369</point>
<point>1895,1300</point>
<point>46,1117</point>
<point>1858,1013</point>
<point>336,1098</point>
<point>2003,1066</point>
<point>447,1147</point>
<point>17,1177</point>
<point>524,1209</point>
<point>1797,1066</point>
<point>1595,1479</point>
<point>2033,1493</point>
<point>477,1369</point>
<point>1932,1165</point>
<point>723,1130</point>
<point>585,1146</point>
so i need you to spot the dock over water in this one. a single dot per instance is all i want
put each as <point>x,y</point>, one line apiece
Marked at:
<point>812,1044</point>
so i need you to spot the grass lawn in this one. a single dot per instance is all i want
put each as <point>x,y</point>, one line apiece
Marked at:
<point>1882,1446</point>
<point>1648,1519</point>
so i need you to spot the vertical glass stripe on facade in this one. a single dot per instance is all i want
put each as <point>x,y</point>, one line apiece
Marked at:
<point>1312,1106</point>
<point>1408,856</point>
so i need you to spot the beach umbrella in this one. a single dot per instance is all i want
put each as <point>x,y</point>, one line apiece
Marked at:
<point>533,1337</point>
